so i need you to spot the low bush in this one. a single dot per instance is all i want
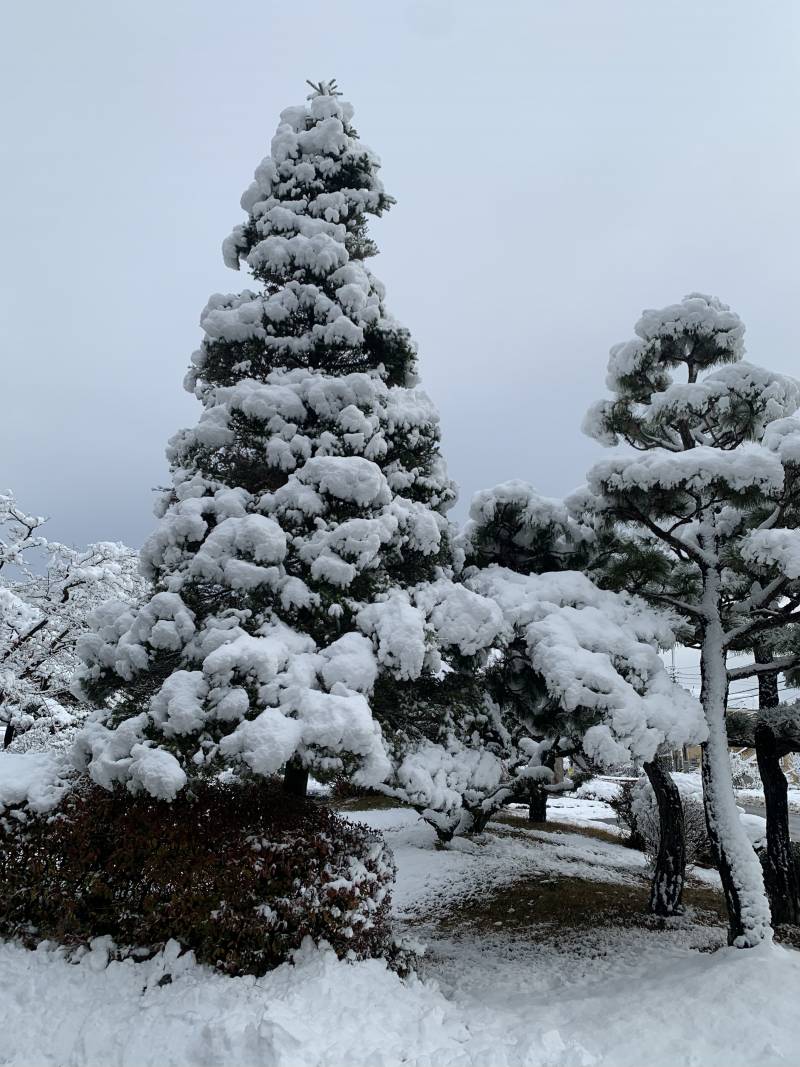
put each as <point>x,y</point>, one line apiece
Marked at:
<point>637,814</point>
<point>238,872</point>
<point>648,825</point>
<point>622,805</point>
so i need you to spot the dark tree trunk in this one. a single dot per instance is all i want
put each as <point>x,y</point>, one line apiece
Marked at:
<point>295,778</point>
<point>537,804</point>
<point>480,820</point>
<point>9,735</point>
<point>670,872</point>
<point>767,683</point>
<point>780,870</point>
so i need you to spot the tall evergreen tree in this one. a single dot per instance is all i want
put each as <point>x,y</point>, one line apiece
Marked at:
<point>306,505</point>
<point>706,519</point>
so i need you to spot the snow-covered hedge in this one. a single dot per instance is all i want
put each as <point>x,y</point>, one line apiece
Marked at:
<point>240,875</point>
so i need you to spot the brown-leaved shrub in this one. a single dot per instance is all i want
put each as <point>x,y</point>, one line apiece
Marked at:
<point>238,872</point>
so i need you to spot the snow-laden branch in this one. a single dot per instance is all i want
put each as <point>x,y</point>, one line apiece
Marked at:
<point>751,670</point>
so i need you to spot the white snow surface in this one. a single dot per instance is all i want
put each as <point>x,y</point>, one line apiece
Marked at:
<point>37,780</point>
<point>628,997</point>
<point>775,547</point>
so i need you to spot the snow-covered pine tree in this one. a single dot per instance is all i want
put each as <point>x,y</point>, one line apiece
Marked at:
<point>706,520</point>
<point>566,665</point>
<point>514,526</point>
<point>305,506</point>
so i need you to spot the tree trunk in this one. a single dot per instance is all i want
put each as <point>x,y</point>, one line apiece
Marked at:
<point>739,867</point>
<point>780,870</point>
<point>295,778</point>
<point>670,872</point>
<point>767,683</point>
<point>480,820</point>
<point>537,804</point>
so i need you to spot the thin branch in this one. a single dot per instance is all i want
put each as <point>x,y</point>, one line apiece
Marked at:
<point>680,605</point>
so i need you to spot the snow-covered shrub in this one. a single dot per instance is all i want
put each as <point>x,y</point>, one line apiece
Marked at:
<point>622,805</point>
<point>240,875</point>
<point>744,770</point>
<point>644,813</point>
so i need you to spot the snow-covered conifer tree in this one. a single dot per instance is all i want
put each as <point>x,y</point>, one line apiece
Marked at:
<point>706,520</point>
<point>306,505</point>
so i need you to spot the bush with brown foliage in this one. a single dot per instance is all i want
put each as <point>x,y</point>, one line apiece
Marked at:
<point>239,873</point>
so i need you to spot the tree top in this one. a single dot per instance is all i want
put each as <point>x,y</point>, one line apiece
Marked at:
<point>323,88</point>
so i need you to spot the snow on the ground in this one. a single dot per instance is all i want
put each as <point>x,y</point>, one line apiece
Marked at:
<point>630,1001</point>
<point>605,789</point>
<point>319,1012</point>
<point>427,876</point>
<point>756,797</point>
<point>483,999</point>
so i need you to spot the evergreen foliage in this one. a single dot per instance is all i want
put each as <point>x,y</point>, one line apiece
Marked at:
<point>704,521</point>
<point>306,506</point>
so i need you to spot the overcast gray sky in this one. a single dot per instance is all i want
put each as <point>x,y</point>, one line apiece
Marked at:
<point>558,166</point>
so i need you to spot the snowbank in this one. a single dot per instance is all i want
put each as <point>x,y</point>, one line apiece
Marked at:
<point>636,1003</point>
<point>319,1012</point>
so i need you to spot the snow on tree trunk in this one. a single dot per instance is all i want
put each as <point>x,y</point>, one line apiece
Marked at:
<point>670,870</point>
<point>739,868</point>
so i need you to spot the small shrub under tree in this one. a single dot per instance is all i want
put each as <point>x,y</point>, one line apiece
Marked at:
<point>637,814</point>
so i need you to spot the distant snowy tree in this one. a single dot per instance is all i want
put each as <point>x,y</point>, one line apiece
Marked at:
<point>706,515</point>
<point>511,525</point>
<point>293,561</point>
<point>47,594</point>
